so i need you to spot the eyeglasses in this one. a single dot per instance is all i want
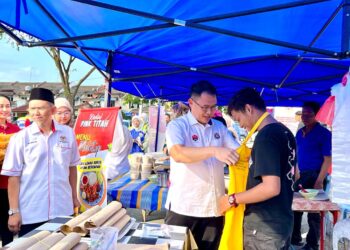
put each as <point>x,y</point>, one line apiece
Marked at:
<point>66,113</point>
<point>205,108</point>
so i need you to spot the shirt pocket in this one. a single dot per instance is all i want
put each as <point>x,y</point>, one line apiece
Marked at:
<point>62,154</point>
<point>216,139</point>
<point>32,153</point>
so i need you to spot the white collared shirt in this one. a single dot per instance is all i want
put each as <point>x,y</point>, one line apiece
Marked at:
<point>42,162</point>
<point>195,187</point>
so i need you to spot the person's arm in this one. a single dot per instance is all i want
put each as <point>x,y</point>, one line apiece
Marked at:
<point>73,180</point>
<point>297,173</point>
<point>73,185</point>
<point>327,161</point>
<point>15,220</point>
<point>184,154</point>
<point>13,167</point>
<point>234,133</point>
<point>269,188</point>
<point>176,134</point>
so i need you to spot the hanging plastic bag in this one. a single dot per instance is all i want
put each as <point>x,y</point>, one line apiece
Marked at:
<point>232,236</point>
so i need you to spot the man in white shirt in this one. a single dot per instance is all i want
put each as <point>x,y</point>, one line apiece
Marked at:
<point>199,147</point>
<point>41,164</point>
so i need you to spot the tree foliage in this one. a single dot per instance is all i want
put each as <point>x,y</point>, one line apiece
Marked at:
<point>64,67</point>
<point>129,99</point>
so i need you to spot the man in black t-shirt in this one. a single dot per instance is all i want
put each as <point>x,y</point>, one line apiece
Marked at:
<point>268,218</point>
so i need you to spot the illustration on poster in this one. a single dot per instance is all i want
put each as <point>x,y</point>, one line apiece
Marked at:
<point>89,146</point>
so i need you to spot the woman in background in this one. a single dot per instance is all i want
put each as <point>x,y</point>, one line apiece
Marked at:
<point>137,135</point>
<point>64,112</point>
<point>6,128</point>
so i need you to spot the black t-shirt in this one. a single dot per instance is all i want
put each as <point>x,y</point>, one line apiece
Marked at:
<point>273,153</point>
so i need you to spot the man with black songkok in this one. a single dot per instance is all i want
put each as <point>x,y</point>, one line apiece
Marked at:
<point>41,164</point>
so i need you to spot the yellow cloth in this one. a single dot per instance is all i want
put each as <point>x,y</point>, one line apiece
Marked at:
<point>232,237</point>
<point>4,141</point>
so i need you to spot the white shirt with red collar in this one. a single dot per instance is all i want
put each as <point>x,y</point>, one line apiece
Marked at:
<point>195,188</point>
<point>42,162</point>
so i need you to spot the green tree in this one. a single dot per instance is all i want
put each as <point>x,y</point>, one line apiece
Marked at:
<point>131,99</point>
<point>64,67</point>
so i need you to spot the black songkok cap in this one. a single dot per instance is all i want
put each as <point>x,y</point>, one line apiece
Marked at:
<point>41,94</point>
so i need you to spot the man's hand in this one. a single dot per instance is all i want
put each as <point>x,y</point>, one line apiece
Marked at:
<point>76,203</point>
<point>224,205</point>
<point>15,222</point>
<point>226,155</point>
<point>318,184</point>
<point>297,173</point>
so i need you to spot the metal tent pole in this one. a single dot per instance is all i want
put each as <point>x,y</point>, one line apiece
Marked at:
<point>108,89</point>
<point>199,26</point>
<point>345,32</point>
<point>65,32</point>
<point>317,36</point>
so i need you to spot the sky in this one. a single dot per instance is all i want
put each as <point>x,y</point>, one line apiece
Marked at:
<point>35,65</point>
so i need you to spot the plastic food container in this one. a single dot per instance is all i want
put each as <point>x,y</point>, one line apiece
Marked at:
<point>309,194</point>
<point>134,175</point>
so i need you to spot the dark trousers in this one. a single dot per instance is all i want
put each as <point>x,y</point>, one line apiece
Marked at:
<point>5,233</point>
<point>260,240</point>
<point>308,179</point>
<point>206,231</point>
<point>313,236</point>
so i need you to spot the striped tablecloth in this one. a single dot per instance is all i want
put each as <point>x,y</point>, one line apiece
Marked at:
<point>137,193</point>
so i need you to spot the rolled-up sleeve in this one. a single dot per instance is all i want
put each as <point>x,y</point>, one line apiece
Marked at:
<point>14,158</point>
<point>75,157</point>
<point>175,135</point>
<point>229,140</point>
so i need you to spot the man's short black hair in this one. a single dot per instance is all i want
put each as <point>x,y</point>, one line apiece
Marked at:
<point>6,97</point>
<point>202,87</point>
<point>243,97</point>
<point>313,105</point>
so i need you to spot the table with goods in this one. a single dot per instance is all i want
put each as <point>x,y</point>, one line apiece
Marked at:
<point>109,227</point>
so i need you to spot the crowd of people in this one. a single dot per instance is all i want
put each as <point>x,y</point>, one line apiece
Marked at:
<point>39,175</point>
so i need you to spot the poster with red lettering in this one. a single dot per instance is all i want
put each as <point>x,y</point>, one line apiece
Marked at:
<point>94,130</point>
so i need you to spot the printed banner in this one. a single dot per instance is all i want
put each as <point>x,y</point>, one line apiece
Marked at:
<point>92,184</point>
<point>94,129</point>
<point>152,129</point>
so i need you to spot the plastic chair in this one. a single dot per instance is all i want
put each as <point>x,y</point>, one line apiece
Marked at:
<point>341,230</point>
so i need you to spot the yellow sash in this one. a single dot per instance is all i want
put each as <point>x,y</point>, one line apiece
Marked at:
<point>232,236</point>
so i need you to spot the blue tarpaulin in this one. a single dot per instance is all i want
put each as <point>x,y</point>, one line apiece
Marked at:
<point>291,51</point>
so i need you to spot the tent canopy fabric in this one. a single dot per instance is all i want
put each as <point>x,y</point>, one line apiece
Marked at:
<point>291,51</point>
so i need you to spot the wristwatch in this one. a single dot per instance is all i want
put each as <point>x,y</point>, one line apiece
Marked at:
<point>232,200</point>
<point>13,211</point>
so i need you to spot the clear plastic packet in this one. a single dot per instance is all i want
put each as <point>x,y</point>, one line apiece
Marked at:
<point>104,238</point>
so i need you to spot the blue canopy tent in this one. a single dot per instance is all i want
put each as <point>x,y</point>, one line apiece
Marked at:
<point>291,51</point>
